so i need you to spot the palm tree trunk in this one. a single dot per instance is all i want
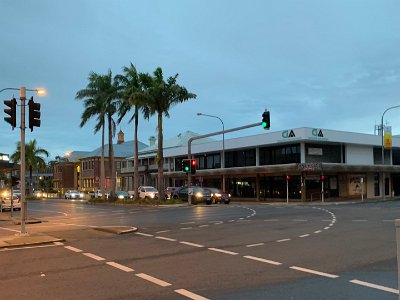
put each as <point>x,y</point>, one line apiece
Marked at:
<point>160,158</point>
<point>102,171</point>
<point>136,157</point>
<point>111,156</point>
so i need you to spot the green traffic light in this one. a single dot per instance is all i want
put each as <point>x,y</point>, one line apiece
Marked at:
<point>186,169</point>
<point>264,124</point>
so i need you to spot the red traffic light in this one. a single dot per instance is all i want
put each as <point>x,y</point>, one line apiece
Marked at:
<point>322,177</point>
<point>287,177</point>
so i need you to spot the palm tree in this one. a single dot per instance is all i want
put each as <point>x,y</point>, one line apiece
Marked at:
<point>100,98</point>
<point>33,158</point>
<point>94,107</point>
<point>133,97</point>
<point>161,96</point>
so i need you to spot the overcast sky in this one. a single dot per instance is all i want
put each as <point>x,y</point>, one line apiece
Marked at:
<point>321,64</point>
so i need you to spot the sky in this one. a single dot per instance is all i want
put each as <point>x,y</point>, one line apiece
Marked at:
<point>311,63</point>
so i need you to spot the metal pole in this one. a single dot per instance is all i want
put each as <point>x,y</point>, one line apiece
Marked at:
<point>22,170</point>
<point>287,190</point>
<point>397,224</point>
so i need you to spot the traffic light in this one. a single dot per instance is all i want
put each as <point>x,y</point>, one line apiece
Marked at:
<point>287,177</point>
<point>186,165</point>
<point>193,165</point>
<point>266,124</point>
<point>34,114</point>
<point>322,177</point>
<point>11,111</point>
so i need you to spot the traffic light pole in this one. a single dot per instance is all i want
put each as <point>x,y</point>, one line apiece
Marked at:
<point>208,135</point>
<point>22,170</point>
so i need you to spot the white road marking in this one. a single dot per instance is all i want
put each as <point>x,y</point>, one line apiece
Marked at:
<point>326,228</point>
<point>143,234</point>
<point>118,266</point>
<point>375,286</point>
<point>318,231</point>
<point>187,223</point>
<point>255,245</point>
<point>203,225</point>
<point>283,240</point>
<point>162,231</point>
<point>304,235</point>
<point>313,272</point>
<point>153,279</point>
<point>231,221</point>
<point>73,249</point>
<point>165,238</point>
<point>98,258</point>
<point>223,251</point>
<point>192,244</point>
<point>58,243</point>
<point>219,222</point>
<point>186,228</point>
<point>263,260</point>
<point>190,295</point>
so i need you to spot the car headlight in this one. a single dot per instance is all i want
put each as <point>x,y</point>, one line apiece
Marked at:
<point>81,195</point>
<point>229,195</point>
<point>198,195</point>
<point>218,194</point>
<point>120,196</point>
<point>152,195</point>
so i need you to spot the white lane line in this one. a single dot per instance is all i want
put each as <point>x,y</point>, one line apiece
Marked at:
<point>187,223</point>
<point>219,222</point>
<point>304,235</point>
<point>375,286</point>
<point>143,234</point>
<point>186,228</point>
<point>263,260</point>
<point>190,295</point>
<point>203,225</point>
<point>153,279</point>
<point>4,228</point>
<point>73,249</point>
<point>163,231</point>
<point>283,240</point>
<point>94,256</point>
<point>192,244</point>
<point>318,231</point>
<point>231,221</point>
<point>326,228</point>
<point>118,266</point>
<point>313,272</point>
<point>223,251</point>
<point>255,245</point>
<point>58,243</point>
<point>165,238</point>
<point>29,247</point>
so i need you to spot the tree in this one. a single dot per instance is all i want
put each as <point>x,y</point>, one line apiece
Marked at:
<point>133,96</point>
<point>161,97</point>
<point>100,99</point>
<point>33,158</point>
<point>94,107</point>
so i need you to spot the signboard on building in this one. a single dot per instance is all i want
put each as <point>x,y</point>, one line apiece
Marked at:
<point>387,138</point>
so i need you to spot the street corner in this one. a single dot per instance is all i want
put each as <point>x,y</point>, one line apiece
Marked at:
<point>21,240</point>
<point>116,229</point>
<point>17,221</point>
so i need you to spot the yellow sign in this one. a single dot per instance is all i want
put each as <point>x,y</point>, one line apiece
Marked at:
<point>387,140</point>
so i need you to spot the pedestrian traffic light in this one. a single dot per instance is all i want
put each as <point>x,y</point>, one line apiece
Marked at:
<point>11,111</point>
<point>322,177</point>
<point>186,165</point>
<point>34,114</point>
<point>193,165</point>
<point>266,124</point>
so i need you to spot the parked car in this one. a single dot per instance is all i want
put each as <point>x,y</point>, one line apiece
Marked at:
<point>169,191</point>
<point>147,192</point>
<point>197,195</point>
<point>218,196</point>
<point>6,203</point>
<point>73,194</point>
<point>123,195</point>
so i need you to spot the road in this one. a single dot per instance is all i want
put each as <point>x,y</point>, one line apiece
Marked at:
<point>237,251</point>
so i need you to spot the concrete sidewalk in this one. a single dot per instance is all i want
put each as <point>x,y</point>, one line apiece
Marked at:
<point>21,240</point>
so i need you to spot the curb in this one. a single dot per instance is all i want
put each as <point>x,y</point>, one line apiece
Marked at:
<point>116,229</point>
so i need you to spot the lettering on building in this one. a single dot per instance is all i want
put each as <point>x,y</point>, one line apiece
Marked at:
<point>288,134</point>
<point>317,132</point>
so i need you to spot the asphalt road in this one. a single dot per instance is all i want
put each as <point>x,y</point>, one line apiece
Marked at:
<point>237,251</point>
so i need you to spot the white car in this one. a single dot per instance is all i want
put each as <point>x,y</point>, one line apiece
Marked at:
<point>6,203</point>
<point>147,192</point>
<point>73,194</point>
<point>99,194</point>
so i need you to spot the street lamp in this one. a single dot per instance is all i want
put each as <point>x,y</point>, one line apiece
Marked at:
<point>22,90</point>
<point>383,154</point>
<point>223,146</point>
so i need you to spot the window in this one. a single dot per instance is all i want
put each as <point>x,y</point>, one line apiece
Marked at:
<point>280,155</point>
<point>240,158</point>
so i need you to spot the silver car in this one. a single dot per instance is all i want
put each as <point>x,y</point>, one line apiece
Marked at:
<point>73,194</point>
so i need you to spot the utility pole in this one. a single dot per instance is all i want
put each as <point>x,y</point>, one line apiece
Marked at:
<point>22,171</point>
